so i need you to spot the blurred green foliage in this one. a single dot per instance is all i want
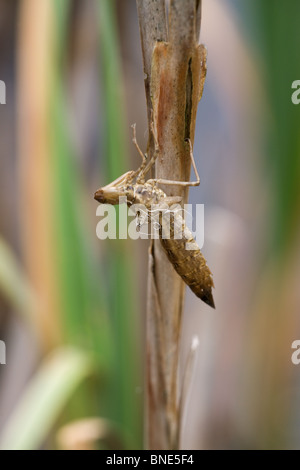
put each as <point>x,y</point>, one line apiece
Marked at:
<point>44,398</point>
<point>277,41</point>
<point>126,376</point>
<point>97,316</point>
<point>85,304</point>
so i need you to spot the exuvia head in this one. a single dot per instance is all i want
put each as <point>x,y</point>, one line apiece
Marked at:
<point>111,193</point>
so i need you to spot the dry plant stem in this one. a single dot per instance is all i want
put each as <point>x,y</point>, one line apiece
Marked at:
<point>173,83</point>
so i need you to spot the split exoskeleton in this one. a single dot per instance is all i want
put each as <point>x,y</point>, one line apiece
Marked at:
<point>190,263</point>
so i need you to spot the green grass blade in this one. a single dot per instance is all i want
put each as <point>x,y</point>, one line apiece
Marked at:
<point>127,408</point>
<point>278,33</point>
<point>44,399</point>
<point>82,298</point>
<point>14,285</point>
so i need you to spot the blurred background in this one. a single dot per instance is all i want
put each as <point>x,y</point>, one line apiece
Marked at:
<point>72,307</point>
